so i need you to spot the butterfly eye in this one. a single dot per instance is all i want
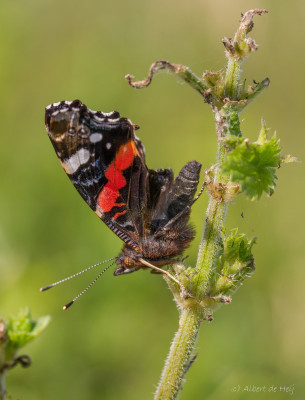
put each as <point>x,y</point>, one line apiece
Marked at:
<point>128,262</point>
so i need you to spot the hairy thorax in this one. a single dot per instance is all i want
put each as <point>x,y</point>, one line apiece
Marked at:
<point>158,250</point>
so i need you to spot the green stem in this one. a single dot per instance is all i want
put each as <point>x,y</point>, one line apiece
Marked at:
<point>257,90</point>
<point>179,355</point>
<point>232,78</point>
<point>182,71</point>
<point>227,98</point>
<point>208,248</point>
<point>189,324</point>
<point>215,216</point>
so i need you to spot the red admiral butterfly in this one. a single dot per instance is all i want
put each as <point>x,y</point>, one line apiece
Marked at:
<point>147,209</point>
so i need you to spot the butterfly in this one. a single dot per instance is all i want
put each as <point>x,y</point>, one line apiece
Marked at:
<point>147,209</point>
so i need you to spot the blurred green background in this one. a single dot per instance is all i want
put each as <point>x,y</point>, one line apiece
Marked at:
<point>112,343</point>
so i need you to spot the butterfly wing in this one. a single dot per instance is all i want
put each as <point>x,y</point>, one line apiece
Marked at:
<point>105,161</point>
<point>176,196</point>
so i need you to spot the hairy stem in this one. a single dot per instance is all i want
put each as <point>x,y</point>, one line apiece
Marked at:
<point>214,220</point>
<point>227,97</point>
<point>179,356</point>
<point>258,89</point>
<point>184,341</point>
<point>215,215</point>
<point>182,71</point>
<point>232,78</point>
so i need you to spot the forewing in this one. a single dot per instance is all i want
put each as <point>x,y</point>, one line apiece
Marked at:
<point>105,161</point>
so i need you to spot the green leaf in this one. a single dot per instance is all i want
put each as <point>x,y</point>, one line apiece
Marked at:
<point>21,329</point>
<point>234,264</point>
<point>263,135</point>
<point>231,142</point>
<point>232,121</point>
<point>234,124</point>
<point>237,252</point>
<point>253,165</point>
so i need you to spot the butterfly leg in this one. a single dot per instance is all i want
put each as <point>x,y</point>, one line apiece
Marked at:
<point>199,193</point>
<point>164,272</point>
<point>123,271</point>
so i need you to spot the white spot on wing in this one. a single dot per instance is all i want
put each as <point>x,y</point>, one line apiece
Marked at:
<point>95,137</point>
<point>83,155</point>
<point>108,146</point>
<point>73,163</point>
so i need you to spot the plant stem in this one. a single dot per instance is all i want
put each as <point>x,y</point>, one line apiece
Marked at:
<point>215,216</point>
<point>232,78</point>
<point>189,324</point>
<point>227,97</point>
<point>259,88</point>
<point>182,71</point>
<point>216,213</point>
<point>179,355</point>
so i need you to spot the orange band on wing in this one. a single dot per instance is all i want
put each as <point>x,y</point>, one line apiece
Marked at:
<point>110,192</point>
<point>125,156</point>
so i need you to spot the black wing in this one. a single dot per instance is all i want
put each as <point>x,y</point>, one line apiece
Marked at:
<point>105,161</point>
<point>176,196</point>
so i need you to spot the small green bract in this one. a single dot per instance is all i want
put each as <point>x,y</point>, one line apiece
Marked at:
<point>235,263</point>
<point>21,329</point>
<point>253,165</point>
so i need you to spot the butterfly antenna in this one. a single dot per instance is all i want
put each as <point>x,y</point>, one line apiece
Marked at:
<point>77,274</point>
<point>88,287</point>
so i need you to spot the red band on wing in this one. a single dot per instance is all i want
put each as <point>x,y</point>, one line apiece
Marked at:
<point>118,214</point>
<point>110,192</point>
<point>125,156</point>
<point>107,197</point>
